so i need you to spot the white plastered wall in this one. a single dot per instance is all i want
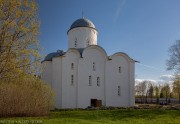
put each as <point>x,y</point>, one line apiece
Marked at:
<point>69,91</point>
<point>115,79</point>
<point>83,36</point>
<point>86,92</point>
<point>57,73</point>
<point>132,84</point>
<point>57,80</point>
<point>47,72</point>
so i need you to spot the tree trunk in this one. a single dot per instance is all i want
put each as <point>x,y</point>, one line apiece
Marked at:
<point>166,98</point>
<point>141,98</point>
<point>157,100</point>
<point>151,98</point>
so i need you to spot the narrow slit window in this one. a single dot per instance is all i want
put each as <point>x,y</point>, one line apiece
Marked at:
<point>88,43</point>
<point>119,91</point>
<point>119,69</point>
<point>72,79</point>
<point>75,43</point>
<point>94,68</point>
<point>72,66</point>
<point>98,81</point>
<point>90,81</point>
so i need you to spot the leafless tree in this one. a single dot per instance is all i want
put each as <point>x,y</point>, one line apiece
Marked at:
<point>166,91</point>
<point>176,86</point>
<point>173,63</point>
<point>142,90</point>
<point>150,90</point>
<point>157,95</point>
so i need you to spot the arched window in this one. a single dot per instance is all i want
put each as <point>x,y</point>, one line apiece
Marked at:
<point>98,81</point>
<point>90,81</point>
<point>94,68</point>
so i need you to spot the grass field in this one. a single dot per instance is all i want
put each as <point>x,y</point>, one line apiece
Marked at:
<point>119,116</point>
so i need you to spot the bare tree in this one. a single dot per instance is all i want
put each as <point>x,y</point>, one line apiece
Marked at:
<point>142,90</point>
<point>166,91</point>
<point>176,86</point>
<point>137,90</point>
<point>173,63</point>
<point>150,90</point>
<point>157,89</point>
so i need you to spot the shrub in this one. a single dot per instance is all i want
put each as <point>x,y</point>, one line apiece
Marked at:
<point>27,96</point>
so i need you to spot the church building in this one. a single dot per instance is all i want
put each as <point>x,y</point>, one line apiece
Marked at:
<point>85,75</point>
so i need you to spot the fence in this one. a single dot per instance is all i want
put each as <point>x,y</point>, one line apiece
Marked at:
<point>157,100</point>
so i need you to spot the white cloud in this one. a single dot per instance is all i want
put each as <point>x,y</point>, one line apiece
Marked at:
<point>162,80</point>
<point>137,81</point>
<point>150,67</point>
<point>166,77</point>
<point>118,10</point>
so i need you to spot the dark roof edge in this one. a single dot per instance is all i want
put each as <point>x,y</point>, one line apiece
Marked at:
<point>136,61</point>
<point>81,27</point>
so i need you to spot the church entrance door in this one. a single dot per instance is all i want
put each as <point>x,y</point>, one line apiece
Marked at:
<point>96,103</point>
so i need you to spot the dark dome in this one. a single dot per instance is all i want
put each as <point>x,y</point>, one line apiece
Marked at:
<point>83,22</point>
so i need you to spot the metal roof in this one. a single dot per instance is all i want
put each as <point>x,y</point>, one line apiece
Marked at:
<point>82,22</point>
<point>54,54</point>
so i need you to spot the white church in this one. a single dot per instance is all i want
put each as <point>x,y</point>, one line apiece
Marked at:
<point>85,75</point>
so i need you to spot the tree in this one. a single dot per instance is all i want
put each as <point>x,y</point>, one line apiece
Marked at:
<point>176,86</point>
<point>21,93</point>
<point>19,47</point>
<point>156,89</point>
<point>25,96</point>
<point>142,90</point>
<point>166,91</point>
<point>173,63</point>
<point>150,90</point>
<point>137,91</point>
<point>161,94</point>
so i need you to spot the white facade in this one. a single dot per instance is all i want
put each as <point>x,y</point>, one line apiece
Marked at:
<point>85,72</point>
<point>81,37</point>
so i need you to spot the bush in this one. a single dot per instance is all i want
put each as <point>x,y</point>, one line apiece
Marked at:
<point>25,97</point>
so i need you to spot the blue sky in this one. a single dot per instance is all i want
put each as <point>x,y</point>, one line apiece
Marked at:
<point>144,29</point>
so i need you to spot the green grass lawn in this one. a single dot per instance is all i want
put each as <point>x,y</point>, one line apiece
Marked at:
<point>119,116</point>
